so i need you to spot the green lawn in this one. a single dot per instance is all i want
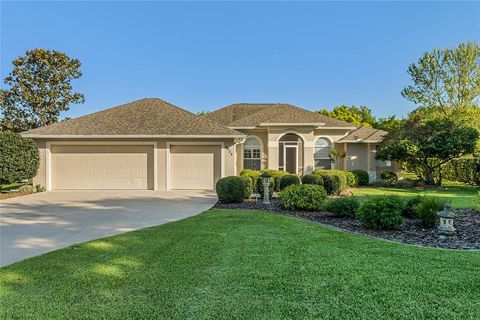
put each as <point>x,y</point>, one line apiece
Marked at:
<point>462,195</point>
<point>242,264</point>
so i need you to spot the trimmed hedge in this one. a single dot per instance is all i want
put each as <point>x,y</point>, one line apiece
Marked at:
<point>232,189</point>
<point>334,181</point>
<point>303,197</point>
<point>464,170</point>
<point>381,213</point>
<point>19,157</point>
<point>312,179</point>
<point>343,207</point>
<point>248,186</point>
<point>361,176</point>
<point>255,175</point>
<point>288,180</point>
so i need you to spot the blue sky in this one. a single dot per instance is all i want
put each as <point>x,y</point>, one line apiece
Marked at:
<point>205,55</point>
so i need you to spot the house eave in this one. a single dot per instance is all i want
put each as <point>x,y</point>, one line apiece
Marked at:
<point>141,136</point>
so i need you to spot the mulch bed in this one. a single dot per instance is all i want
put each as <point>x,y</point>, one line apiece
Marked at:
<point>467,224</point>
<point>4,196</point>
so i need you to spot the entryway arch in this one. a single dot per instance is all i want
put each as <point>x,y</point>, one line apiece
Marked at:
<point>290,153</point>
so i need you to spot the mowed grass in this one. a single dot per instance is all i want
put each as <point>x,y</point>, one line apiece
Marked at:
<point>234,264</point>
<point>461,195</point>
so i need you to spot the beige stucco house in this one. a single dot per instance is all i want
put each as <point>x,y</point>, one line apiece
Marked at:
<point>152,144</point>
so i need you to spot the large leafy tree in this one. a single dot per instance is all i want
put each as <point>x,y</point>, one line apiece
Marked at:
<point>425,146</point>
<point>39,89</point>
<point>359,116</point>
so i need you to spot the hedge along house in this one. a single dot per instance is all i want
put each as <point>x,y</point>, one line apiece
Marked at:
<point>152,144</point>
<point>289,138</point>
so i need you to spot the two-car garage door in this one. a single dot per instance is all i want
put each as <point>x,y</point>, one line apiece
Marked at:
<point>132,167</point>
<point>102,166</point>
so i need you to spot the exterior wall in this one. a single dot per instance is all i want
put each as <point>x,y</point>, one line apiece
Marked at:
<point>228,153</point>
<point>357,156</point>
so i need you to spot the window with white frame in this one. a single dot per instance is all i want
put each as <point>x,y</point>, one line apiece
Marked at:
<point>321,153</point>
<point>252,154</point>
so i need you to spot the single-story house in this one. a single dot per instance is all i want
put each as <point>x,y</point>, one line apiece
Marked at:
<point>152,144</point>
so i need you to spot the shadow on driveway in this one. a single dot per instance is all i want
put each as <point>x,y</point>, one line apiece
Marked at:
<point>38,223</point>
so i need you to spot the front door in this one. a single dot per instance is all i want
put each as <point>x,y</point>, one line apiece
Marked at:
<point>291,159</point>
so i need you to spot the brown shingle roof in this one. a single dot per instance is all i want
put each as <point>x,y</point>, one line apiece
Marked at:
<point>143,117</point>
<point>251,115</point>
<point>364,134</point>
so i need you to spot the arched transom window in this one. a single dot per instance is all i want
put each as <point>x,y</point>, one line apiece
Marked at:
<point>321,153</point>
<point>252,154</point>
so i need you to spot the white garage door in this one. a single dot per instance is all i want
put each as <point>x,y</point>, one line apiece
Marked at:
<point>102,167</point>
<point>194,167</point>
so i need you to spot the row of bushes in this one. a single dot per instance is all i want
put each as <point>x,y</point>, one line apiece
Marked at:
<point>381,213</point>
<point>334,181</point>
<point>464,170</point>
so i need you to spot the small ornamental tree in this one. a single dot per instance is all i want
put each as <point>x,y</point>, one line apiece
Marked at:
<point>19,157</point>
<point>426,146</point>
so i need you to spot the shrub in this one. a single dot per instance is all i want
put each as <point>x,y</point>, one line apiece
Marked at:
<point>248,186</point>
<point>312,179</point>
<point>303,197</point>
<point>343,207</point>
<point>39,188</point>
<point>382,213</point>
<point>19,158</point>
<point>260,187</point>
<point>252,174</point>
<point>464,170</point>
<point>334,181</point>
<point>427,210</point>
<point>406,183</point>
<point>276,175</point>
<point>381,184</point>
<point>26,188</point>
<point>231,189</point>
<point>390,176</point>
<point>288,180</point>
<point>351,179</point>
<point>409,207</point>
<point>361,177</point>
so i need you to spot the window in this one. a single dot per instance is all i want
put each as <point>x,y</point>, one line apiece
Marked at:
<point>321,153</point>
<point>252,154</point>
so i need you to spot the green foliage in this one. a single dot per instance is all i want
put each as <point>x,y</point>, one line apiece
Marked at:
<point>288,180</point>
<point>39,89</point>
<point>427,209</point>
<point>362,177</point>
<point>464,170</point>
<point>346,178</point>
<point>231,189</point>
<point>382,213</point>
<point>409,210</point>
<point>39,188</point>
<point>343,207</point>
<point>390,176</point>
<point>248,186</point>
<point>303,197</point>
<point>312,179</point>
<point>252,174</point>
<point>260,188</point>
<point>446,79</point>
<point>19,157</point>
<point>389,124</point>
<point>359,116</point>
<point>427,146</point>
<point>333,182</point>
<point>276,175</point>
<point>406,183</point>
<point>380,184</point>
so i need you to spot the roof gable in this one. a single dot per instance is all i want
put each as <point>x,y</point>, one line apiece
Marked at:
<point>252,115</point>
<point>143,117</point>
<point>364,134</point>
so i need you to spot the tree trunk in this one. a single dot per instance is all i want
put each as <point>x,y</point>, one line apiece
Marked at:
<point>439,182</point>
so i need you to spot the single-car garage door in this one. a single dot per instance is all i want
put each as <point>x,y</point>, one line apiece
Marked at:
<point>102,167</point>
<point>194,167</point>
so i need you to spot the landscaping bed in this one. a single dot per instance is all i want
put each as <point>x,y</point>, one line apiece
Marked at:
<point>467,224</point>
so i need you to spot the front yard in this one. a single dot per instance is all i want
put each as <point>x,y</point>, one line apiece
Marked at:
<point>243,264</point>
<point>461,194</point>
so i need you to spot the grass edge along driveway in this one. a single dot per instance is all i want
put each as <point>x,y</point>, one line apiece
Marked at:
<point>242,264</point>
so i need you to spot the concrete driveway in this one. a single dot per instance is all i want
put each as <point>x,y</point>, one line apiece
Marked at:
<point>42,222</point>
